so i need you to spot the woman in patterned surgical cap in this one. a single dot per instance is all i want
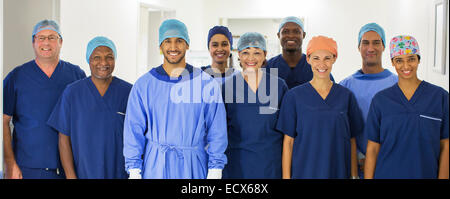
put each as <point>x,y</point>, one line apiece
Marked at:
<point>407,125</point>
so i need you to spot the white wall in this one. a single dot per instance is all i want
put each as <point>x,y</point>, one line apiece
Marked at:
<point>190,13</point>
<point>83,20</point>
<point>118,20</point>
<point>433,76</point>
<point>341,20</point>
<point>325,17</point>
<point>20,16</point>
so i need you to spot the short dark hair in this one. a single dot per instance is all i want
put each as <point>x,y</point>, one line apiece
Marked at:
<point>418,57</point>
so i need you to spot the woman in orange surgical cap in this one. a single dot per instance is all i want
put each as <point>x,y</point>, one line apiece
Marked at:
<point>320,120</point>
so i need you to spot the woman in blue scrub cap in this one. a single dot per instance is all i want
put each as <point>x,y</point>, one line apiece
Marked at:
<point>408,123</point>
<point>252,99</point>
<point>220,42</point>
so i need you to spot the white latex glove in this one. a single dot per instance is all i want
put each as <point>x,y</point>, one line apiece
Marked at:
<point>214,174</point>
<point>135,174</point>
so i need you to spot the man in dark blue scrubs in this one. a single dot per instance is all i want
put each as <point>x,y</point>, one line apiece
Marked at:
<point>89,117</point>
<point>291,63</point>
<point>30,92</point>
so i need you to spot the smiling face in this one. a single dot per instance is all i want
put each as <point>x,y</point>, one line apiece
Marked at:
<point>252,58</point>
<point>219,48</point>
<point>47,45</point>
<point>321,62</point>
<point>174,50</point>
<point>291,37</point>
<point>371,49</point>
<point>406,66</point>
<point>102,63</point>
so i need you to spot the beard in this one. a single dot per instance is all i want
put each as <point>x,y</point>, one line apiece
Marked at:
<point>371,63</point>
<point>100,76</point>
<point>292,50</point>
<point>176,61</point>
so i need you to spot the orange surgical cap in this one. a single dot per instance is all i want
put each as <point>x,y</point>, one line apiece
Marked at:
<point>321,43</point>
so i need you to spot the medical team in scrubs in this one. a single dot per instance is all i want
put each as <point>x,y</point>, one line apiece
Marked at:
<point>220,44</point>
<point>89,117</point>
<point>252,100</point>
<point>282,118</point>
<point>320,119</point>
<point>370,79</point>
<point>30,92</point>
<point>291,63</point>
<point>175,126</point>
<point>408,123</point>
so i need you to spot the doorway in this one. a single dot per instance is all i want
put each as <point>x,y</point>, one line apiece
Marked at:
<point>148,53</point>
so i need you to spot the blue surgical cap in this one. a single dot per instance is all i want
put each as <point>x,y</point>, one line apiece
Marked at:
<point>251,39</point>
<point>220,30</point>
<point>372,27</point>
<point>173,28</point>
<point>99,41</point>
<point>293,20</point>
<point>46,25</point>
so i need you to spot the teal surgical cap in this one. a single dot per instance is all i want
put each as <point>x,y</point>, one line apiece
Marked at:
<point>251,39</point>
<point>46,25</point>
<point>372,27</point>
<point>293,20</point>
<point>173,28</point>
<point>99,41</point>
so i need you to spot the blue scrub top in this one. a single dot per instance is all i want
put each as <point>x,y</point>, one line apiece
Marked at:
<point>409,132</point>
<point>170,122</point>
<point>254,146</point>
<point>321,129</point>
<point>95,126</point>
<point>29,96</point>
<point>220,77</point>
<point>364,87</point>
<point>293,77</point>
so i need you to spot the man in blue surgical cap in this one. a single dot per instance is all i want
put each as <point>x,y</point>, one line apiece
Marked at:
<point>371,78</point>
<point>175,125</point>
<point>89,118</point>
<point>30,92</point>
<point>291,64</point>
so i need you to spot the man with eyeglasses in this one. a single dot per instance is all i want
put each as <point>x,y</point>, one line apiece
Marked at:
<point>30,92</point>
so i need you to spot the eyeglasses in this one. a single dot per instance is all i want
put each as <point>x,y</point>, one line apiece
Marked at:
<point>51,38</point>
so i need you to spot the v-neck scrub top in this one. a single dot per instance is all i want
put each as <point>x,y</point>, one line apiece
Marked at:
<point>29,96</point>
<point>254,146</point>
<point>409,132</point>
<point>95,126</point>
<point>321,129</point>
